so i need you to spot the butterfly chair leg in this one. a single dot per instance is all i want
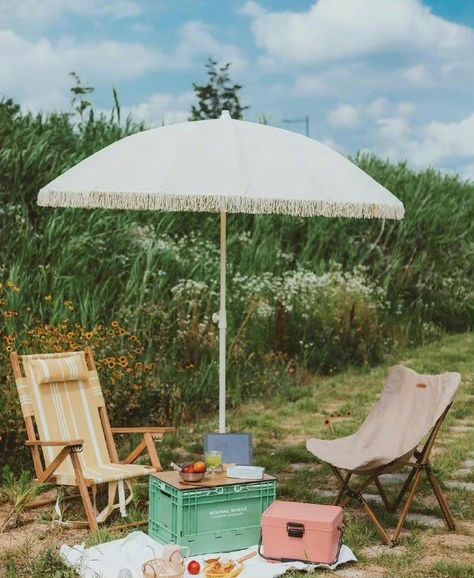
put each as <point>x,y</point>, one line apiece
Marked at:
<point>441,499</point>
<point>407,506</point>
<point>356,494</point>
<point>383,495</point>
<point>403,491</point>
<point>86,499</point>
<point>343,488</point>
<point>380,529</point>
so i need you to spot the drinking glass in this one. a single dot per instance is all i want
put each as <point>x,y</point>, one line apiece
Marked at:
<point>213,461</point>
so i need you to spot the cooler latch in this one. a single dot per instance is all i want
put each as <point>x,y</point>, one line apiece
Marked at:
<point>295,530</point>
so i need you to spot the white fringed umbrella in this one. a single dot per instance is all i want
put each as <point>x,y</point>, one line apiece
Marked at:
<point>224,166</point>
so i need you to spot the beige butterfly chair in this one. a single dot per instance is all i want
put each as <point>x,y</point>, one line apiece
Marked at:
<point>409,412</point>
<point>66,418</point>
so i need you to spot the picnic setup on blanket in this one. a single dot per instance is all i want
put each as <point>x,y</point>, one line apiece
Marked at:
<point>219,516</point>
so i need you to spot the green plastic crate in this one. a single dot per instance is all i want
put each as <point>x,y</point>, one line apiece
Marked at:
<point>210,520</point>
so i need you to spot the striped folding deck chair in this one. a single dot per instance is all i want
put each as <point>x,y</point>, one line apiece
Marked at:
<point>69,432</point>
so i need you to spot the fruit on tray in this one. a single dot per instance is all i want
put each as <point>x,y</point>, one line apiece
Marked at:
<point>199,467</point>
<point>189,469</point>
<point>194,568</point>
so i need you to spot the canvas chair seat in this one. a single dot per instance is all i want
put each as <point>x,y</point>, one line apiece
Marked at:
<point>410,410</point>
<point>103,473</point>
<point>409,407</point>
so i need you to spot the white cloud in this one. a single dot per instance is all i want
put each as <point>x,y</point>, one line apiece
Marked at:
<point>393,128</point>
<point>417,74</point>
<point>406,108</point>
<point>377,107</point>
<point>36,72</point>
<point>47,64</point>
<point>162,108</point>
<point>333,30</point>
<point>196,40</point>
<point>344,116</point>
<point>47,11</point>
<point>438,144</point>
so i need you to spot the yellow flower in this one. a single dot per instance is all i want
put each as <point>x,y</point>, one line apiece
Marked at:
<point>123,361</point>
<point>10,284</point>
<point>9,348</point>
<point>121,331</point>
<point>9,314</point>
<point>2,302</point>
<point>133,338</point>
<point>115,323</point>
<point>138,351</point>
<point>111,363</point>
<point>88,334</point>
<point>48,298</point>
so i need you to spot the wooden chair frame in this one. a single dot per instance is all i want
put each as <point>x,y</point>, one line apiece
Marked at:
<point>70,448</point>
<point>418,467</point>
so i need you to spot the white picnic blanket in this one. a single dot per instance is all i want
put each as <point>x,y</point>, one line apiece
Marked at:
<point>106,560</point>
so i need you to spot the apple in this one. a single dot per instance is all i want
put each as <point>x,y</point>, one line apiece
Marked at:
<point>194,567</point>
<point>188,469</point>
<point>199,467</point>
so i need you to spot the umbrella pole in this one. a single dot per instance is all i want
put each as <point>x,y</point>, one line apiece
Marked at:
<point>222,325</point>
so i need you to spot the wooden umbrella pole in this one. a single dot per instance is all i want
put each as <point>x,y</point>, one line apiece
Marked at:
<point>222,325</point>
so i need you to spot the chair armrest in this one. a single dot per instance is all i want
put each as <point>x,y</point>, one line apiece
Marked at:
<point>64,443</point>
<point>142,430</point>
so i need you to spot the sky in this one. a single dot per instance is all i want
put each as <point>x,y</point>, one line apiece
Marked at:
<point>394,77</point>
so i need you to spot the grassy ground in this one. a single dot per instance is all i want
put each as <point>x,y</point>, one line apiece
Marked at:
<point>326,407</point>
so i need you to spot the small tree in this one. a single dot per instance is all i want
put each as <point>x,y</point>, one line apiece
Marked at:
<point>219,94</point>
<point>79,92</point>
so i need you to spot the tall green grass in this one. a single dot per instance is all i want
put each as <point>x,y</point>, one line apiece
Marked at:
<point>105,260</point>
<point>131,266</point>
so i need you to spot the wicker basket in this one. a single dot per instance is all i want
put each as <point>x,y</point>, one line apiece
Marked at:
<point>160,568</point>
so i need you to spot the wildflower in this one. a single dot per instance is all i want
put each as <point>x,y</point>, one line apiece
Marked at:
<point>115,324</point>
<point>9,348</point>
<point>133,338</point>
<point>111,363</point>
<point>48,298</point>
<point>123,361</point>
<point>138,351</point>
<point>2,302</point>
<point>10,314</point>
<point>121,331</point>
<point>10,284</point>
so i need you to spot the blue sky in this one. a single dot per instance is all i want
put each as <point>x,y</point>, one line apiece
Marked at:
<point>391,76</point>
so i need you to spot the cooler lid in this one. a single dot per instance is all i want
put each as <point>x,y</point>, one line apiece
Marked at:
<point>312,516</point>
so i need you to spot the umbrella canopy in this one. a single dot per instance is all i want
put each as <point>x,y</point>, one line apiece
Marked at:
<point>222,165</point>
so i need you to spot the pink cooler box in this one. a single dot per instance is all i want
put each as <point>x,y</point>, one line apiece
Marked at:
<point>304,532</point>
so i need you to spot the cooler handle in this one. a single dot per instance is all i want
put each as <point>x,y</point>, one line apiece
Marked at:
<point>295,529</point>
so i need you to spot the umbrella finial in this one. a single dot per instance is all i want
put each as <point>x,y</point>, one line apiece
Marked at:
<point>225,114</point>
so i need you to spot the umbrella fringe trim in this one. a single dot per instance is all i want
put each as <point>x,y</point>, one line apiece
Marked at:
<point>217,203</point>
